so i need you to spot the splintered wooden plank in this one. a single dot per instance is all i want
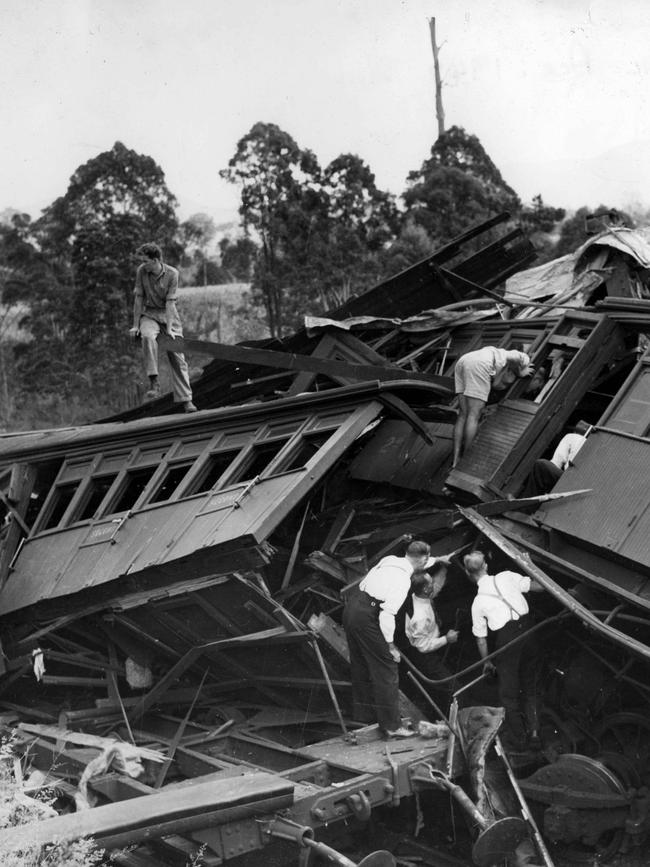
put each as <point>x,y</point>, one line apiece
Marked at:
<point>267,637</point>
<point>159,689</point>
<point>338,528</point>
<point>331,633</point>
<point>83,739</point>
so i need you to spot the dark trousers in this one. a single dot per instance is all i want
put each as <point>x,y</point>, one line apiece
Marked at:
<point>432,666</point>
<point>541,479</point>
<point>375,683</point>
<point>516,673</point>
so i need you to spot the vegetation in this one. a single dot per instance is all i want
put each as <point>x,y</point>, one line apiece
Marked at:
<point>310,237</point>
<point>17,808</point>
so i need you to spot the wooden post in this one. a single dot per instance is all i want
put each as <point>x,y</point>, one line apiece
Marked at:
<point>440,113</point>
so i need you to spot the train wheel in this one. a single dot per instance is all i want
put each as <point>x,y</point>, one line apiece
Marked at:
<point>627,734</point>
<point>582,773</point>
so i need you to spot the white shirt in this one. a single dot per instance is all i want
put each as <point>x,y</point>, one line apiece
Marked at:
<point>567,449</point>
<point>389,582</point>
<point>422,629</point>
<point>502,356</point>
<point>489,610</point>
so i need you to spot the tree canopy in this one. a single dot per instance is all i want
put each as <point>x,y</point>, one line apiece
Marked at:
<point>320,232</point>
<point>76,273</point>
<point>311,238</point>
<point>457,185</point>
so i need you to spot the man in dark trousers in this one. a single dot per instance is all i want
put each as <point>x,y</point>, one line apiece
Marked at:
<point>369,622</point>
<point>500,607</point>
<point>154,310</point>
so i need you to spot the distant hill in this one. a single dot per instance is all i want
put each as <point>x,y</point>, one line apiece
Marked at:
<point>221,313</point>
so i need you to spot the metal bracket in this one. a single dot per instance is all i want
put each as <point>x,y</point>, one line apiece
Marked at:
<point>376,790</point>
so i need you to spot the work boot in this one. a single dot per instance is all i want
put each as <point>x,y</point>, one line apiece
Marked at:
<point>153,392</point>
<point>401,732</point>
<point>188,406</point>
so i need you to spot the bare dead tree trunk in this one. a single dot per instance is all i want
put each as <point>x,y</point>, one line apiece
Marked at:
<point>440,112</point>
<point>219,305</point>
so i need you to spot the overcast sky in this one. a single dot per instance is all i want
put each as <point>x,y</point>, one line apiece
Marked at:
<point>556,90</point>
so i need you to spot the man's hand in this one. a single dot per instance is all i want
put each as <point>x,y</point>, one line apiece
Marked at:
<point>452,636</point>
<point>134,333</point>
<point>394,652</point>
<point>169,332</point>
<point>489,669</point>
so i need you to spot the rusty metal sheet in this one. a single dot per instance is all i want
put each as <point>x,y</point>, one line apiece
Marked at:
<point>615,517</point>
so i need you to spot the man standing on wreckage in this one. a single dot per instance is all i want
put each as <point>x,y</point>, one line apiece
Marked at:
<point>500,607</point>
<point>369,622</point>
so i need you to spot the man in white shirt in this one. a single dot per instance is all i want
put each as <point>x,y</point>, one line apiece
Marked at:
<point>369,623</point>
<point>544,474</point>
<point>475,374</point>
<point>500,607</point>
<point>422,627</point>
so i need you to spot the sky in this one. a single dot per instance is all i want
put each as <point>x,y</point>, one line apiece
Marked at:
<point>557,91</point>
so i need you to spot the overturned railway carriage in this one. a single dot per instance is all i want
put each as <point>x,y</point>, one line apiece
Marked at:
<point>181,579</point>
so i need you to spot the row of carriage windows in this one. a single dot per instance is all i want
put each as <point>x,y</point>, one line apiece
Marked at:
<point>96,494</point>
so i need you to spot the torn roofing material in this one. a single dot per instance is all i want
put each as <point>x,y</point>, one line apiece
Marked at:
<point>420,287</point>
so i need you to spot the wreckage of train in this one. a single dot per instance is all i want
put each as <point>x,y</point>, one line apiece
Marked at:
<point>171,586</point>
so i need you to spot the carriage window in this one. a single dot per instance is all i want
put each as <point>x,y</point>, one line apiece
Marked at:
<point>175,475</point>
<point>216,467</point>
<point>62,499</point>
<point>98,490</point>
<point>306,450</point>
<point>258,460</point>
<point>136,482</point>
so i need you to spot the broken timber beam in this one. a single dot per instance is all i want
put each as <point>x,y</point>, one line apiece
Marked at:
<point>292,361</point>
<point>498,507</point>
<point>268,636</point>
<point>151,816</point>
<point>525,563</point>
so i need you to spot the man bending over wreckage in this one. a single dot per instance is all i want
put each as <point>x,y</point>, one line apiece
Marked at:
<point>154,310</point>
<point>369,622</point>
<point>475,374</point>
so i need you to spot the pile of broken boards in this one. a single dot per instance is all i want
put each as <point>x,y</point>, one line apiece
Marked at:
<point>172,586</point>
